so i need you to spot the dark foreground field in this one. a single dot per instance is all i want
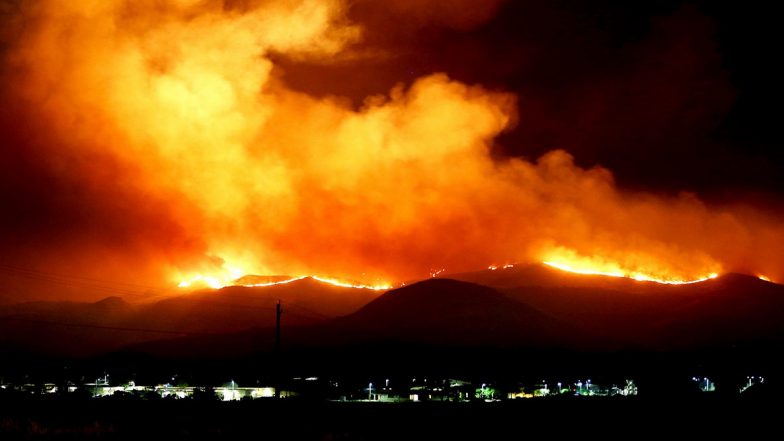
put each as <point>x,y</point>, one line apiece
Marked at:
<point>606,418</point>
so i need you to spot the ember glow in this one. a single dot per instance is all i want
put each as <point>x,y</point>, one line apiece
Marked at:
<point>495,267</point>
<point>217,283</point>
<point>197,156</point>
<point>568,261</point>
<point>610,272</point>
<point>335,282</point>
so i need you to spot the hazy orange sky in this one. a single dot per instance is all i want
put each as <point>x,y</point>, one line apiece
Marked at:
<point>146,142</point>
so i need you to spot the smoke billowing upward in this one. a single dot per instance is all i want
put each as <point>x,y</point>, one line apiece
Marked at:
<point>151,141</point>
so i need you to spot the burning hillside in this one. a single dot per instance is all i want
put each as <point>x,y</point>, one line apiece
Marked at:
<point>168,140</point>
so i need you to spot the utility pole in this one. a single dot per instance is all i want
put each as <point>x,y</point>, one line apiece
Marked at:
<point>278,362</point>
<point>278,312</point>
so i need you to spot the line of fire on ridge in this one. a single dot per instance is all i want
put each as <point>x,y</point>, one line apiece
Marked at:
<point>621,274</point>
<point>215,283</point>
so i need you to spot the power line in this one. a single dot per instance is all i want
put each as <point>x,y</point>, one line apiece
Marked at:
<point>109,328</point>
<point>73,277</point>
<point>309,311</point>
<point>217,302</point>
<point>130,289</point>
<point>131,329</point>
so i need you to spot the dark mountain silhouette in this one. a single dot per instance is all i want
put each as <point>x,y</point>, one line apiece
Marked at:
<point>450,312</point>
<point>101,311</point>
<point>321,300</point>
<point>432,316</point>
<point>544,276</point>
<point>73,328</point>
<point>306,301</point>
<point>69,328</point>
<point>731,308</point>
<point>532,309</point>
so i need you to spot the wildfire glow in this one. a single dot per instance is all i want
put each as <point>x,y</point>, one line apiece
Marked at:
<point>611,272</point>
<point>765,278</point>
<point>381,287</point>
<point>182,104</point>
<point>212,282</point>
<point>217,283</point>
<point>644,268</point>
<point>495,267</point>
<point>280,282</point>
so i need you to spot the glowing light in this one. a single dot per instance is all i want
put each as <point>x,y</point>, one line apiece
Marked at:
<point>765,278</point>
<point>199,279</point>
<point>281,282</point>
<point>217,283</point>
<point>641,277</point>
<point>587,271</point>
<point>495,267</point>
<point>435,273</point>
<point>635,265</point>
<point>380,287</point>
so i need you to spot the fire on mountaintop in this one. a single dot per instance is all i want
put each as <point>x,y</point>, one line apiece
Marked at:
<point>217,283</point>
<point>613,271</point>
<point>181,107</point>
<point>644,270</point>
<point>562,259</point>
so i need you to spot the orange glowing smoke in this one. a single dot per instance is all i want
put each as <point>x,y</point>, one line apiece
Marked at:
<point>216,283</point>
<point>186,97</point>
<point>641,268</point>
<point>612,270</point>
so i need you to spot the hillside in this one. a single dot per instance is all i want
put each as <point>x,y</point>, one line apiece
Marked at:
<point>73,328</point>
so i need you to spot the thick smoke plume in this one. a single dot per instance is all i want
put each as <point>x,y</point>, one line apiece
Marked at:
<point>154,140</point>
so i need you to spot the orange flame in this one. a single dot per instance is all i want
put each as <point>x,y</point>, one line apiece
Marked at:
<point>568,260</point>
<point>436,273</point>
<point>216,282</point>
<point>335,282</point>
<point>185,97</point>
<point>495,267</point>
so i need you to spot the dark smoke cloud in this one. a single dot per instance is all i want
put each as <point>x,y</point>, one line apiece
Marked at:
<point>339,152</point>
<point>669,95</point>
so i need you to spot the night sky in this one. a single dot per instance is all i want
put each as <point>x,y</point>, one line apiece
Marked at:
<point>669,95</point>
<point>341,151</point>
